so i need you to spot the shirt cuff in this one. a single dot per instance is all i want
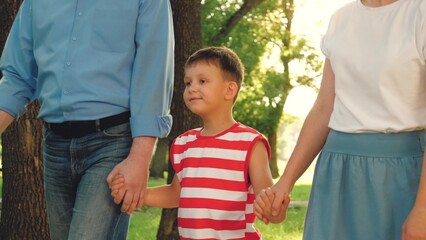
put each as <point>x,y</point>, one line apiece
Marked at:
<point>155,126</point>
<point>13,106</point>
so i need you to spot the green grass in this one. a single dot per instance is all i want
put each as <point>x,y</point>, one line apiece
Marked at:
<point>300,192</point>
<point>290,229</point>
<point>144,223</point>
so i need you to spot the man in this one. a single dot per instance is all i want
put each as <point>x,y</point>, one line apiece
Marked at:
<point>103,74</point>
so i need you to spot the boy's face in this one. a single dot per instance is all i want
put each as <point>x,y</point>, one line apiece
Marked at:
<point>205,88</point>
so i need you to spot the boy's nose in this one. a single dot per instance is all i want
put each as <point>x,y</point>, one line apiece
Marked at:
<point>192,88</point>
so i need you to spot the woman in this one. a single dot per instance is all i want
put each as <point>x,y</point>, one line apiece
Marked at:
<point>368,122</point>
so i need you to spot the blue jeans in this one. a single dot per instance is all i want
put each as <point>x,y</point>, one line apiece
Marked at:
<point>79,204</point>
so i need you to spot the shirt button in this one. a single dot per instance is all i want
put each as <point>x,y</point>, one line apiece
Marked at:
<point>74,38</point>
<point>68,64</point>
<point>66,92</point>
<point>80,13</point>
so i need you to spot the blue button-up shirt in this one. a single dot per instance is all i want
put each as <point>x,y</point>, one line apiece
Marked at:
<point>86,60</point>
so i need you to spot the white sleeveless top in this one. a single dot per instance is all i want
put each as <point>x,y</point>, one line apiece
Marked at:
<point>378,58</point>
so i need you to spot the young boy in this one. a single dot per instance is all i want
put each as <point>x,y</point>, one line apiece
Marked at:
<point>219,167</point>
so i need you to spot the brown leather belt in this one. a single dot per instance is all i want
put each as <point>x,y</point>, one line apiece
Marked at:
<point>77,129</point>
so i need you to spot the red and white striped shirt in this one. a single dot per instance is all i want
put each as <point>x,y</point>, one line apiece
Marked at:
<point>216,200</point>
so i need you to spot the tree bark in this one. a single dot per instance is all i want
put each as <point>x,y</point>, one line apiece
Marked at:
<point>23,214</point>
<point>273,161</point>
<point>159,160</point>
<point>8,9</point>
<point>187,25</point>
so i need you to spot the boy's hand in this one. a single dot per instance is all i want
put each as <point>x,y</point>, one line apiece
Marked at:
<point>263,204</point>
<point>135,169</point>
<point>263,207</point>
<point>116,184</point>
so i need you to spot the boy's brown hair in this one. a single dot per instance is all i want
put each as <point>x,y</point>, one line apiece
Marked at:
<point>225,58</point>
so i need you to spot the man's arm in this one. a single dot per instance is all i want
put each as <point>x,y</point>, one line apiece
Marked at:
<point>18,67</point>
<point>150,97</point>
<point>135,169</point>
<point>153,71</point>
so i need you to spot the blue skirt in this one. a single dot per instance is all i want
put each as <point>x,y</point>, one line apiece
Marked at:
<point>364,186</point>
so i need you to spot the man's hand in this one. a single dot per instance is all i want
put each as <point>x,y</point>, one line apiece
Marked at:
<point>135,170</point>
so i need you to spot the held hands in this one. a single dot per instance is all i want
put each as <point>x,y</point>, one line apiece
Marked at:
<point>270,207</point>
<point>117,183</point>
<point>128,182</point>
<point>135,170</point>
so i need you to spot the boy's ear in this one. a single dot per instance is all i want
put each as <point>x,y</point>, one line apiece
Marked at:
<point>231,90</point>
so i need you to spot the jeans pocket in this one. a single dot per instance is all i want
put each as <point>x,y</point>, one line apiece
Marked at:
<point>121,130</point>
<point>45,133</point>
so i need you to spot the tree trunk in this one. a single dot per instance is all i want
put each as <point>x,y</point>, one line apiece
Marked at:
<point>288,8</point>
<point>159,160</point>
<point>273,161</point>
<point>23,214</point>
<point>8,9</point>
<point>187,24</point>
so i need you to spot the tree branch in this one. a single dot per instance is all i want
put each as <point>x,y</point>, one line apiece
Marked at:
<point>247,6</point>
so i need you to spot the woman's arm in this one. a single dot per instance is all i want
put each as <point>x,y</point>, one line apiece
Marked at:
<point>311,139</point>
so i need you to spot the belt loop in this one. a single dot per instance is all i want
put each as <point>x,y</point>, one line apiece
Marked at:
<point>98,125</point>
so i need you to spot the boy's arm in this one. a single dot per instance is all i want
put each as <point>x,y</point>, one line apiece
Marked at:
<point>261,178</point>
<point>165,196</point>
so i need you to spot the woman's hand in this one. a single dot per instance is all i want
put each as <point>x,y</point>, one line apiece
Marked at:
<point>414,227</point>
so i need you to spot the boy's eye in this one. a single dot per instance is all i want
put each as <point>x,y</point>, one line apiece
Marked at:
<point>187,83</point>
<point>203,81</point>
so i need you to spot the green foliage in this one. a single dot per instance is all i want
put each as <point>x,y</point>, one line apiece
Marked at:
<point>1,165</point>
<point>247,39</point>
<point>265,29</point>
<point>261,105</point>
<point>214,14</point>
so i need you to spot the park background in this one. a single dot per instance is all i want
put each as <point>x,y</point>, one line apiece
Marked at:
<point>284,54</point>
